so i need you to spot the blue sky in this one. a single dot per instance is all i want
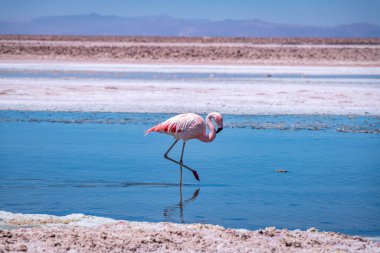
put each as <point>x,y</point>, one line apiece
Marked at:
<point>309,12</point>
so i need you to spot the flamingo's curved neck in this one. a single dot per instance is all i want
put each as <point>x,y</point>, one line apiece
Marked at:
<point>212,134</point>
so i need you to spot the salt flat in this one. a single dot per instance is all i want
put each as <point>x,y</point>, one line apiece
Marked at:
<point>303,93</point>
<point>184,50</point>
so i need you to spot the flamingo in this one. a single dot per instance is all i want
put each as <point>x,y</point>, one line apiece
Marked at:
<point>185,127</point>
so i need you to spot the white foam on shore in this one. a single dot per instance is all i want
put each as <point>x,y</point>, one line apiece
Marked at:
<point>178,68</point>
<point>374,238</point>
<point>8,219</point>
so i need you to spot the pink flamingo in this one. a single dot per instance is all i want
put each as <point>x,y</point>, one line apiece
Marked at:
<point>188,126</point>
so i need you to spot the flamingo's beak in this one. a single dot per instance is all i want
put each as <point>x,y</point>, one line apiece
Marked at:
<point>219,129</point>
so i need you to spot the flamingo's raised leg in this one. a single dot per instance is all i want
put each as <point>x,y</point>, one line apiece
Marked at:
<point>167,152</point>
<point>180,163</point>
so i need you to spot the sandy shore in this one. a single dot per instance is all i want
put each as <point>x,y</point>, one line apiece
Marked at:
<point>81,233</point>
<point>266,95</point>
<point>251,51</point>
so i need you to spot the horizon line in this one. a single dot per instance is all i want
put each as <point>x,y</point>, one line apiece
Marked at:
<point>181,18</point>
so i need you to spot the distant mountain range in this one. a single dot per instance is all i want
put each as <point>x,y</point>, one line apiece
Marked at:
<point>162,25</point>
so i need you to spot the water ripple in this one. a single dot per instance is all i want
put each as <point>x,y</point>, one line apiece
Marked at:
<point>344,124</point>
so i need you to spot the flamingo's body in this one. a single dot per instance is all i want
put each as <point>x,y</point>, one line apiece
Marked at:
<point>186,127</point>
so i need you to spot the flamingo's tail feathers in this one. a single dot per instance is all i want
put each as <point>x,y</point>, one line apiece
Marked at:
<point>148,131</point>
<point>153,129</point>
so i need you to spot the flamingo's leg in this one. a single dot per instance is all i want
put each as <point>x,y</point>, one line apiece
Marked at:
<point>180,163</point>
<point>167,152</point>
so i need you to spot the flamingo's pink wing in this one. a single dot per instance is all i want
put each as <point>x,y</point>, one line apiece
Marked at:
<point>177,124</point>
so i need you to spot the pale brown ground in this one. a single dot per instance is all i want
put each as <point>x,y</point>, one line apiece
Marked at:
<point>256,51</point>
<point>84,233</point>
<point>169,237</point>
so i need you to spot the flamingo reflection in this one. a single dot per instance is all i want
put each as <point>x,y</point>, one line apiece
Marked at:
<point>171,210</point>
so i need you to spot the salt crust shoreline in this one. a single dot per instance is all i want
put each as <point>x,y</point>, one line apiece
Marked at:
<point>270,96</point>
<point>83,233</point>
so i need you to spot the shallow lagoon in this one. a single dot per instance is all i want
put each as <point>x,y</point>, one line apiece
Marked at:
<point>101,164</point>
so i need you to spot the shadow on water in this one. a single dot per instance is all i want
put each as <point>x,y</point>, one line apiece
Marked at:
<point>154,184</point>
<point>41,183</point>
<point>171,210</point>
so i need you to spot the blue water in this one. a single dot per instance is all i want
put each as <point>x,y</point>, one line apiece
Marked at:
<point>160,76</point>
<point>101,164</point>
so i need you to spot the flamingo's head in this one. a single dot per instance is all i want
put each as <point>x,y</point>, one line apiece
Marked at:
<point>218,120</point>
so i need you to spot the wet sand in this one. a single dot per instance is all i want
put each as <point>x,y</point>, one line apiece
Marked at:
<point>81,233</point>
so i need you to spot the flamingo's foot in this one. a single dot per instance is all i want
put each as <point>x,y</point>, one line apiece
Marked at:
<point>196,175</point>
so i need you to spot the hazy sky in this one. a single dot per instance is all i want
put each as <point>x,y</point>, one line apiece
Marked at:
<point>310,12</point>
